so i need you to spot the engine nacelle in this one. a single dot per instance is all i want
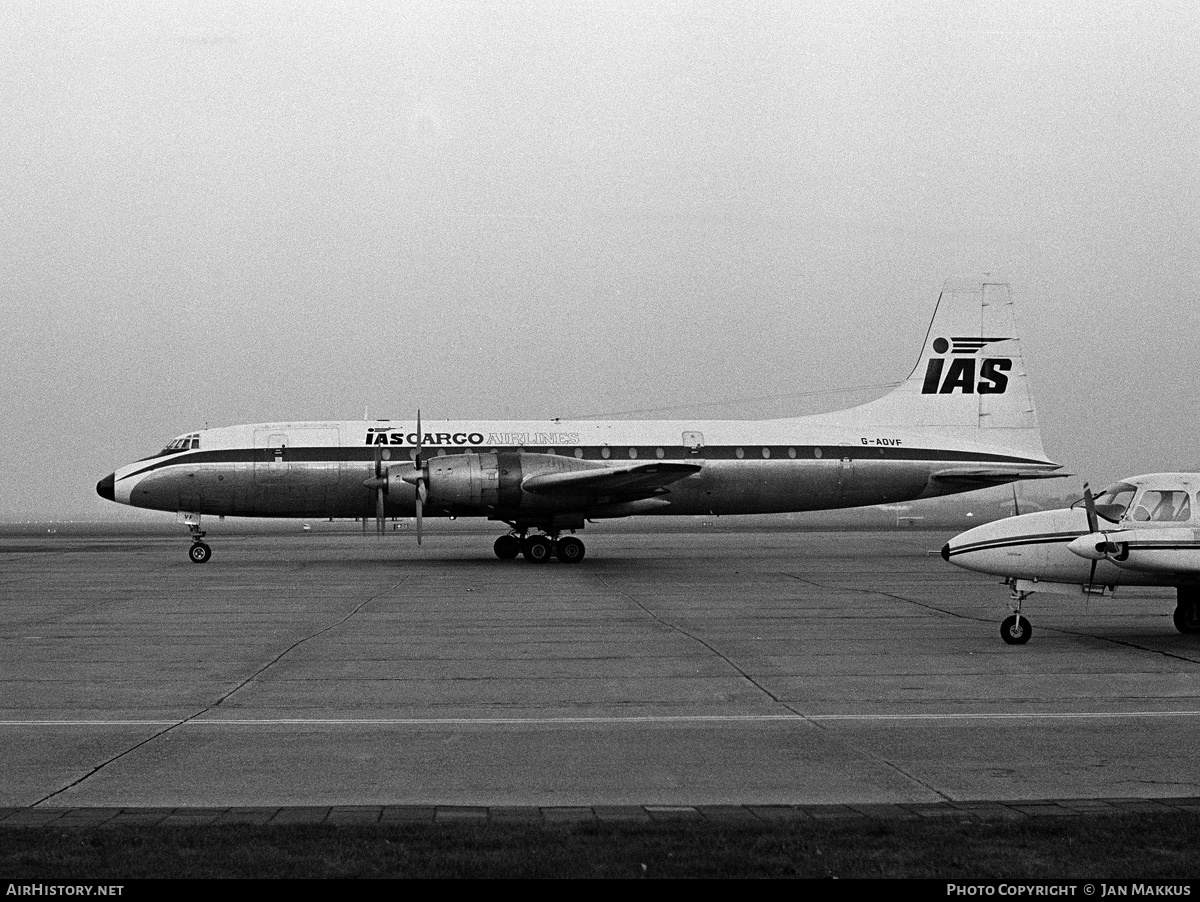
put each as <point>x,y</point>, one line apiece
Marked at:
<point>486,482</point>
<point>453,482</point>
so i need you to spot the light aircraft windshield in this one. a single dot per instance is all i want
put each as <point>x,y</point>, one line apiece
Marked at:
<point>1112,503</point>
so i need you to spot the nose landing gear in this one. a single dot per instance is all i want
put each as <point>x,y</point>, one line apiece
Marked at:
<point>199,553</point>
<point>1016,630</point>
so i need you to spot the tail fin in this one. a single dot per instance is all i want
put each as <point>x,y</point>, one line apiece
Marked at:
<point>970,374</point>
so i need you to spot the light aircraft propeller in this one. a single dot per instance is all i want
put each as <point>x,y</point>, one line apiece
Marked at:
<point>1096,545</point>
<point>1093,522</point>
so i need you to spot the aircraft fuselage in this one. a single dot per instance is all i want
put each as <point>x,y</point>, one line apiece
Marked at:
<point>319,469</point>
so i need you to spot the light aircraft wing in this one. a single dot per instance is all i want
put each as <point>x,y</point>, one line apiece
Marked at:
<point>630,479</point>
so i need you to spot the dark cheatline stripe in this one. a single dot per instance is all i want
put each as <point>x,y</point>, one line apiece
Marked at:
<point>1150,545</point>
<point>1047,538</point>
<point>616,454</point>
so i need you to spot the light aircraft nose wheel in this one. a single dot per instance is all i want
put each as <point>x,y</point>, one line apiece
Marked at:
<point>199,553</point>
<point>569,550</point>
<point>1016,630</point>
<point>538,549</point>
<point>507,547</point>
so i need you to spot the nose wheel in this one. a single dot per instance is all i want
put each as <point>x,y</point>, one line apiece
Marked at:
<point>199,553</point>
<point>1016,630</point>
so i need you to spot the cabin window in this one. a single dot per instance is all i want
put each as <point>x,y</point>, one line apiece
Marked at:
<point>817,453</point>
<point>660,453</point>
<point>579,453</point>
<point>605,453</point>
<point>632,452</point>
<point>740,452</point>
<point>1170,506</point>
<point>792,453</point>
<point>766,452</point>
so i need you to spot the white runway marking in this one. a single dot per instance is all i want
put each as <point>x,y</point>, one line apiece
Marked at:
<point>541,721</point>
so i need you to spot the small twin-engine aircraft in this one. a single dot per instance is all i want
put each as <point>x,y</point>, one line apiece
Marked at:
<point>964,419</point>
<point>1139,532</point>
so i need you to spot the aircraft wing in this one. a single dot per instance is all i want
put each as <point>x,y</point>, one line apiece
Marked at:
<point>630,479</point>
<point>982,477</point>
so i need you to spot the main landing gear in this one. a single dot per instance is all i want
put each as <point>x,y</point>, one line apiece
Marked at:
<point>1187,610</point>
<point>1016,630</point>
<point>539,548</point>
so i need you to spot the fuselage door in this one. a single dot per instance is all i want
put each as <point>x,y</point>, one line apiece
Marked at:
<point>693,441</point>
<point>270,456</point>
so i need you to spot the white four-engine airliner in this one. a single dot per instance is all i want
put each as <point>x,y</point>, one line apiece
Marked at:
<point>1143,531</point>
<point>964,419</point>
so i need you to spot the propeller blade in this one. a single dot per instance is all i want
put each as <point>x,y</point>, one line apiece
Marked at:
<point>1089,504</point>
<point>419,482</point>
<point>417,459</point>
<point>379,491</point>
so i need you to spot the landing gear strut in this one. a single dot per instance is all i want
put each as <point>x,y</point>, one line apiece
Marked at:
<point>1016,630</point>
<point>539,548</point>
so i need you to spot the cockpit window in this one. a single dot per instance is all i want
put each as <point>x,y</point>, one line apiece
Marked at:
<point>1112,503</point>
<point>1172,506</point>
<point>183,443</point>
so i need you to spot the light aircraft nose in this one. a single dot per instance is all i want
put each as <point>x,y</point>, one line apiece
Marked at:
<point>946,552</point>
<point>104,488</point>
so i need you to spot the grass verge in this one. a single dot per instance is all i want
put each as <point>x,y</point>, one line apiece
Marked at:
<point>1114,847</point>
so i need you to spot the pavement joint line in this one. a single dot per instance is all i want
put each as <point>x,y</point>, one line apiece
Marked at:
<point>357,815</point>
<point>615,719</point>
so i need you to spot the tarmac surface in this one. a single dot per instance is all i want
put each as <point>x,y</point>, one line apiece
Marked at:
<point>330,677</point>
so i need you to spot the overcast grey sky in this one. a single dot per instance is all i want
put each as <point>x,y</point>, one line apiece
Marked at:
<point>226,212</point>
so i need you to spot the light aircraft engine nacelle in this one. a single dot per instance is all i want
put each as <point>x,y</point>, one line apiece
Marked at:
<point>1097,546</point>
<point>1172,550</point>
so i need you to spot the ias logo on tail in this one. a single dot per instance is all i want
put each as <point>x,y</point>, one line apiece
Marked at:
<point>961,374</point>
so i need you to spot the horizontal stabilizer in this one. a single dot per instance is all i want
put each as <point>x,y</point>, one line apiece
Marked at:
<point>629,479</point>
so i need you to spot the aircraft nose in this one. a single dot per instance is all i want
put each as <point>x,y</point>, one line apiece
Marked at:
<point>946,552</point>
<point>104,488</point>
